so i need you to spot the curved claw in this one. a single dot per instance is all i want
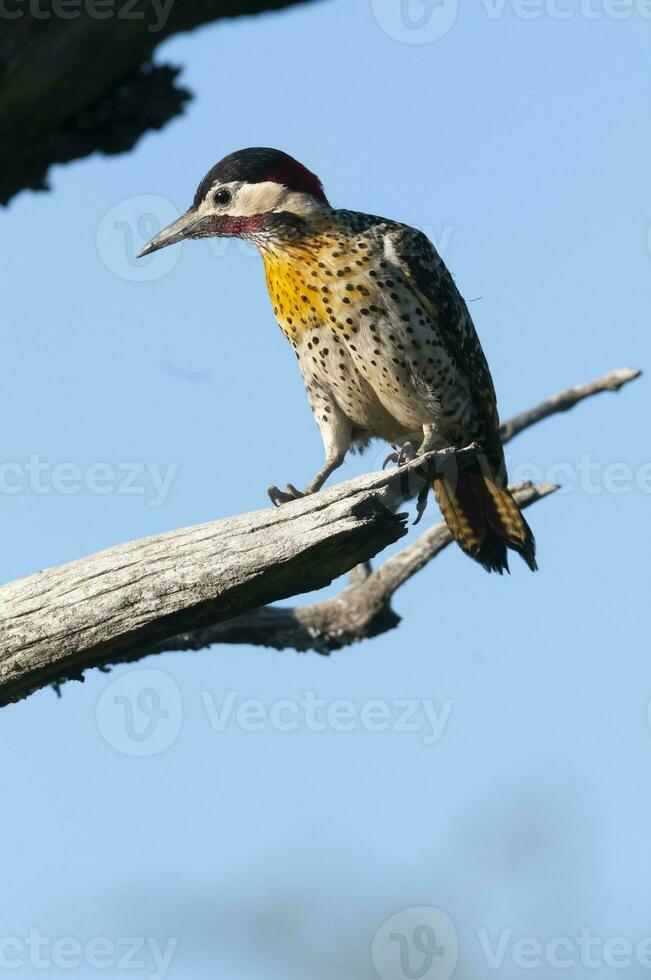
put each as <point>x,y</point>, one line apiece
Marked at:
<point>279,497</point>
<point>404,455</point>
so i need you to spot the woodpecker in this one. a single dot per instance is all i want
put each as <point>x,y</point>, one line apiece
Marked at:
<point>384,341</point>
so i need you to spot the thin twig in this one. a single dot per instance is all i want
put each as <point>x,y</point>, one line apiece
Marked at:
<point>565,400</point>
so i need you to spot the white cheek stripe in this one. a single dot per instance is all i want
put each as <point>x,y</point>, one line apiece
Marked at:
<point>251,199</point>
<point>255,198</point>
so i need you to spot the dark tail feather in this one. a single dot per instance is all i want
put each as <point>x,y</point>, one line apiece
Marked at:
<point>485,520</point>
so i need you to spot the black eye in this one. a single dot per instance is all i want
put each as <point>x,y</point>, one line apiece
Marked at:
<point>222,197</point>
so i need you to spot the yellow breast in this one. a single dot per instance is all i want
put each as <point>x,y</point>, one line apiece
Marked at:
<point>295,291</point>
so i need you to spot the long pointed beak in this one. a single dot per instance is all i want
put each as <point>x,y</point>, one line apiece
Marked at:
<point>176,232</point>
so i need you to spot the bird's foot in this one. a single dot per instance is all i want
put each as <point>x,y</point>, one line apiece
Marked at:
<point>279,497</point>
<point>404,455</point>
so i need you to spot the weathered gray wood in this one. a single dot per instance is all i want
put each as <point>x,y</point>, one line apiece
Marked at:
<point>98,609</point>
<point>190,588</point>
<point>361,611</point>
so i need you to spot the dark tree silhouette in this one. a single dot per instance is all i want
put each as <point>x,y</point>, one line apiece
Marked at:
<point>74,80</point>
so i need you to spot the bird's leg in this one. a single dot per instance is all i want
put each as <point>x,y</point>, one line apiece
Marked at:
<point>432,439</point>
<point>333,462</point>
<point>335,431</point>
<point>278,497</point>
<point>406,453</point>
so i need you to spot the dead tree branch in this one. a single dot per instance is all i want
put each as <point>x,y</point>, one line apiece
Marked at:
<point>363,609</point>
<point>102,608</point>
<point>188,589</point>
<point>565,400</point>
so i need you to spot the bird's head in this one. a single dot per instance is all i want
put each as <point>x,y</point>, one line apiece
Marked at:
<point>252,193</point>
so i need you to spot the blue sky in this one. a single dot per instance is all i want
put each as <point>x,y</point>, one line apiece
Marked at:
<point>521,145</point>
